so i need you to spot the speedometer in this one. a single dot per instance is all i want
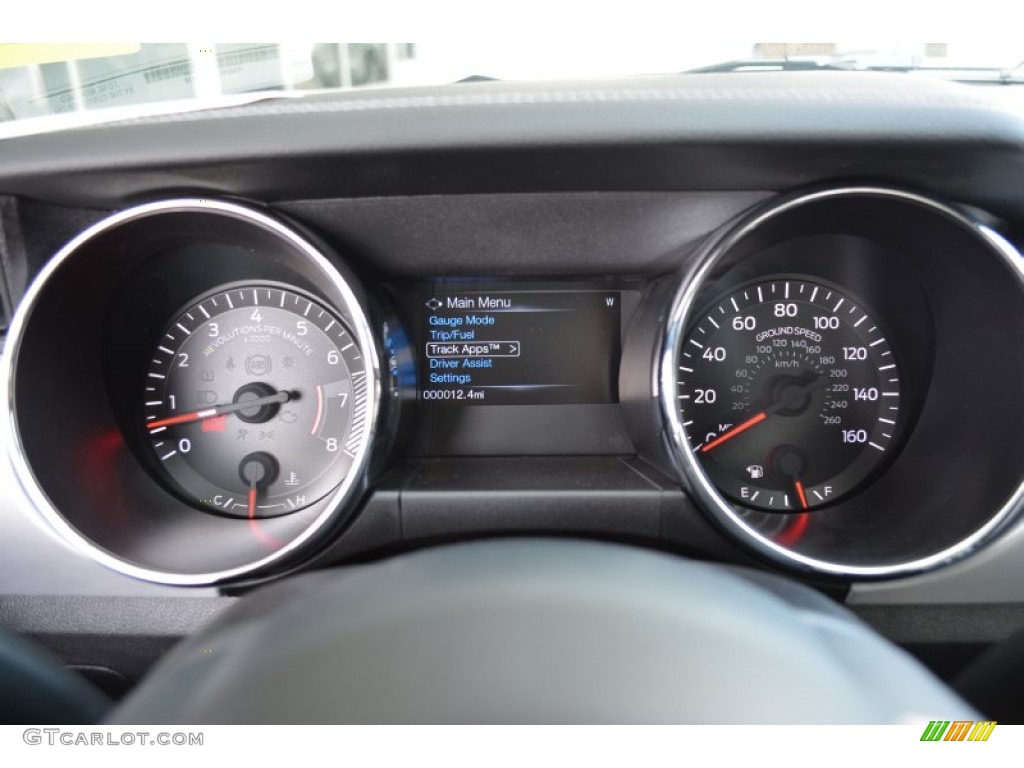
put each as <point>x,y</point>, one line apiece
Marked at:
<point>789,395</point>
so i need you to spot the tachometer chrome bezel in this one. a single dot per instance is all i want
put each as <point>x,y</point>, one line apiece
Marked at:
<point>337,504</point>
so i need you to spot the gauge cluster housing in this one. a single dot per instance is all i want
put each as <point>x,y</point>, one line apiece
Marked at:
<point>925,270</point>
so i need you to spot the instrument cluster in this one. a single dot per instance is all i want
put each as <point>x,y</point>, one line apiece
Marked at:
<point>203,392</point>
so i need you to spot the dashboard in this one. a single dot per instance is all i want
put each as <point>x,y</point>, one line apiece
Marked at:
<point>770,320</point>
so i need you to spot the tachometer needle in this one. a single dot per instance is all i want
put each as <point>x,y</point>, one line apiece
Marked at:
<point>800,493</point>
<point>756,419</point>
<point>219,410</point>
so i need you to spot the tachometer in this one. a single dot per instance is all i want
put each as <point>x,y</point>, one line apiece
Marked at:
<point>789,395</point>
<point>255,401</point>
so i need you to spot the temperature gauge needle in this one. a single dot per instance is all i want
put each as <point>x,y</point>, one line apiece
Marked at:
<point>252,501</point>
<point>800,493</point>
<point>220,410</point>
<point>254,522</point>
<point>756,419</point>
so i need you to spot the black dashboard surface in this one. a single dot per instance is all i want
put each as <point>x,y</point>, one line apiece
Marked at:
<point>599,185</point>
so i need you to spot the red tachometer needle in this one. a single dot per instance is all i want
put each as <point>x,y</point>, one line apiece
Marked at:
<point>252,502</point>
<point>756,419</point>
<point>182,419</point>
<point>800,493</point>
<point>219,410</point>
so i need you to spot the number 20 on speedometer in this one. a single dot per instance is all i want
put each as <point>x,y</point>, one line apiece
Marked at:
<point>789,395</point>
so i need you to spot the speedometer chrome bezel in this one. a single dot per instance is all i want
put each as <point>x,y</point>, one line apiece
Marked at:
<point>681,314</point>
<point>334,505</point>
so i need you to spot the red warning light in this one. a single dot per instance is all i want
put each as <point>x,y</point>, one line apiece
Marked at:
<point>216,424</point>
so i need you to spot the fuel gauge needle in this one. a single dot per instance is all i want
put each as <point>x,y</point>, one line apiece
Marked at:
<point>800,493</point>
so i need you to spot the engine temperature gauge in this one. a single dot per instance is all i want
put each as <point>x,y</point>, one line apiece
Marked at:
<point>255,401</point>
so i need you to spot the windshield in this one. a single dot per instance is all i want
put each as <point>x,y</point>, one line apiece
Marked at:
<point>64,82</point>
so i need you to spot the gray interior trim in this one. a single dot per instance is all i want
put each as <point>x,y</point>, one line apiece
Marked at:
<point>696,132</point>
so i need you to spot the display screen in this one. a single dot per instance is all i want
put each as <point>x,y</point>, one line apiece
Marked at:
<point>520,347</point>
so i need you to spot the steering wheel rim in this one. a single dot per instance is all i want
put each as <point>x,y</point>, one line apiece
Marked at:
<point>538,631</point>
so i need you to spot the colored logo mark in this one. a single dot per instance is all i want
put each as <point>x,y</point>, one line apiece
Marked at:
<point>958,730</point>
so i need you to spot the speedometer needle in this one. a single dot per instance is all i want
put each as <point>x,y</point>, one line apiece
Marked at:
<point>756,419</point>
<point>219,410</point>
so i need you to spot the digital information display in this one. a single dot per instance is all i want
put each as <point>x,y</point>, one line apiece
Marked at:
<point>521,347</point>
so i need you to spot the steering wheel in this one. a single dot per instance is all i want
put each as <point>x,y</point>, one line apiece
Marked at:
<point>538,631</point>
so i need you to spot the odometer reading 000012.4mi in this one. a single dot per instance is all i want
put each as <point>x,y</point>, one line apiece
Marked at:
<point>789,395</point>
